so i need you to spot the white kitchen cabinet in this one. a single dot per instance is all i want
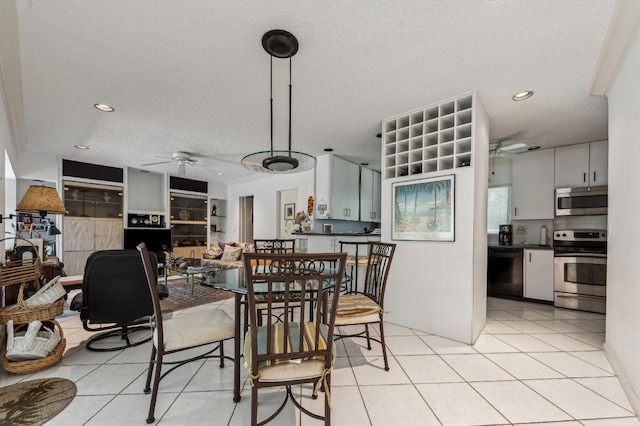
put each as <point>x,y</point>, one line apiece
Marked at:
<point>337,188</point>
<point>369,195</point>
<point>321,244</point>
<point>581,165</point>
<point>533,185</point>
<point>538,274</point>
<point>331,243</point>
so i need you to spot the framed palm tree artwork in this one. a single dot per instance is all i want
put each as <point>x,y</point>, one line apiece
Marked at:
<point>424,209</point>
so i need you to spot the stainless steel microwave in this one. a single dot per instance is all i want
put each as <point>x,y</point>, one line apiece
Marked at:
<point>581,201</point>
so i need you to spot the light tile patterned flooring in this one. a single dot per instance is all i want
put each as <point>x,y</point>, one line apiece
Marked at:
<point>532,364</point>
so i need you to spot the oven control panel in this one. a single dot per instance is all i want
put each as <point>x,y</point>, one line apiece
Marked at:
<point>580,235</point>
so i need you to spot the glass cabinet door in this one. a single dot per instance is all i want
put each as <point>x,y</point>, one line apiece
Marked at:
<point>89,200</point>
<point>189,220</point>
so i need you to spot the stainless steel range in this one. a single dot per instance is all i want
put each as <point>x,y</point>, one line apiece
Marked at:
<point>580,269</point>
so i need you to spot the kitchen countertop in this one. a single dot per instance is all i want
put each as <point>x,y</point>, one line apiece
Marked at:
<point>521,246</point>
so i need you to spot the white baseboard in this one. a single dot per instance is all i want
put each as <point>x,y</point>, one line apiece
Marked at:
<point>622,377</point>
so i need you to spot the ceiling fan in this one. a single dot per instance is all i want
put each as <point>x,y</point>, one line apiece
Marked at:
<point>500,149</point>
<point>183,159</point>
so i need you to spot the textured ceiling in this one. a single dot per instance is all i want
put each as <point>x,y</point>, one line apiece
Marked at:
<point>193,76</point>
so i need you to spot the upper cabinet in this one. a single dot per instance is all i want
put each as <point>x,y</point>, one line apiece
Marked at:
<point>533,185</point>
<point>582,165</point>
<point>369,195</point>
<point>93,200</point>
<point>337,189</point>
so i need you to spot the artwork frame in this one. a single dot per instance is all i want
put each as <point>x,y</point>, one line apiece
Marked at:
<point>432,207</point>
<point>289,211</point>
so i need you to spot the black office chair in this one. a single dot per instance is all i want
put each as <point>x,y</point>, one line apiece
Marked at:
<point>115,292</point>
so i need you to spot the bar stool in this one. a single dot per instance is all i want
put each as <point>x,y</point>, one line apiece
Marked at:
<point>359,258</point>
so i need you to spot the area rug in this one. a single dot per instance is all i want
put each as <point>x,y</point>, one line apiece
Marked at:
<point>34,402</point>
<point>180,296</point>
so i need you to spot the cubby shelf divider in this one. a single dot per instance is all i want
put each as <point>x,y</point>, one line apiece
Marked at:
<point>430,139</point>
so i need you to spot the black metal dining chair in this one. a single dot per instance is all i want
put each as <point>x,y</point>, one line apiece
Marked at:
<point>292,350</point>
<point>180,333</point>
<point>367,307</point>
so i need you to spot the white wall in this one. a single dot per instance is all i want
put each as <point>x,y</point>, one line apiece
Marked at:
<point>264,189</point>
<point>623,272</point>
<point>440,287</point>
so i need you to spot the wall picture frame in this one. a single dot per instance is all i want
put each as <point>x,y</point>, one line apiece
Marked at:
<point>290,211</point>
<point>424,209</point>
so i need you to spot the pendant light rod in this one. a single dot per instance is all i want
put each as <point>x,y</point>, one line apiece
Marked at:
<point>290,90</point>
<point>271,102</point>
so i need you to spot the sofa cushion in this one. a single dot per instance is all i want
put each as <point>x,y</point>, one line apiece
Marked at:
<point>231,253</point>
<point>213,252</point>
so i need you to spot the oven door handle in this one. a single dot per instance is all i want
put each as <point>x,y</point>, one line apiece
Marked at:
<point>577,296</point>
<point>596,255</point>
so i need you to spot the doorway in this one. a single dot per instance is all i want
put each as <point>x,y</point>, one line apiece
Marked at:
<point>246,219</point>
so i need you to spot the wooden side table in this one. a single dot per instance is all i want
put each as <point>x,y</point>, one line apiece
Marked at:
<point>52,267</point>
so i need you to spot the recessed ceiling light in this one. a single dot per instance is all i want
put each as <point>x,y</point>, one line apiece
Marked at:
<point>105,108</point>
<point>81,146</point>
<point>522,95</point>
<point>220,173</point>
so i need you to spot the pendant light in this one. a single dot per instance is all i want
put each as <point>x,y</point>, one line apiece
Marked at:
<point>279,44</point>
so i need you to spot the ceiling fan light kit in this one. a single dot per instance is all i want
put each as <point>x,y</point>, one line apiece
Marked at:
<point>183,159</point>
<point>279,44</point>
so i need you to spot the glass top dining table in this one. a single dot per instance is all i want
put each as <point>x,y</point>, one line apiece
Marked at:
<point>234,280</point>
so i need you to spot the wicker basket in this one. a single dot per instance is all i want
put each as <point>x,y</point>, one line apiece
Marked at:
<point>38,341</point>
<point>20,271</point>
<point>32,366</point>
<point>49,293</point>
<point>20,313</point>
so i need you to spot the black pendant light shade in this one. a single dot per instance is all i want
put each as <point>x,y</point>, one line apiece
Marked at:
<point>279,44</point>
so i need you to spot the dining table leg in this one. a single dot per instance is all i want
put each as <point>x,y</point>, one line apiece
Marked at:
<point>236,348</point>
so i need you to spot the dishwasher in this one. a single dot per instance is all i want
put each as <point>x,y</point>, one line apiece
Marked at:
<point>504,272</point>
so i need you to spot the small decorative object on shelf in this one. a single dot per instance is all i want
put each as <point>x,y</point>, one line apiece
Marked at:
<point>214,210</point>
<point>310,205</point>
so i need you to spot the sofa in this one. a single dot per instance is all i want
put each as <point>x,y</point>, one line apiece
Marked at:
<point>226,255</point>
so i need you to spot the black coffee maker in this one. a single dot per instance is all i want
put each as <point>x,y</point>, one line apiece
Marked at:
<point>505,236</point>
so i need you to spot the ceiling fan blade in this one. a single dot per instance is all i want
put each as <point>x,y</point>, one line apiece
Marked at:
<point>204,166</point>
<point>159,162</point>
<point>513,147</point>
<point>511,155</point>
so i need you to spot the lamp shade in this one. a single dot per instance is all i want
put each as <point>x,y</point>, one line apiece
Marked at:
<point>41,199</point>
<point>53,230</point>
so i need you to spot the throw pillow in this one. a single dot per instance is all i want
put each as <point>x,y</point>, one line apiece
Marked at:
<point>223,244</point>
<point>247,247</point>
<point>213,252</point>
<point>231,253</point>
